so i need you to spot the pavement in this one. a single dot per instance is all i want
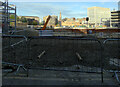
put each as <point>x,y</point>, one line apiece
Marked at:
<point>47,77</point>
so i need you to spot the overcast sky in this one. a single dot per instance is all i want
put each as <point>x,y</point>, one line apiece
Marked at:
<point>68,9</point>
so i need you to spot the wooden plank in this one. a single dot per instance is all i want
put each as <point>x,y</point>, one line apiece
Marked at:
<point>41,54</point>
<point>78,55</point>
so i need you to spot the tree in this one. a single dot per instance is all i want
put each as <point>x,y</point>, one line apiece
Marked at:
<point>35,22</point>
<point>23,19</point>
<point>18,19</point>
<point>30,21</point>
<point>13,17</point>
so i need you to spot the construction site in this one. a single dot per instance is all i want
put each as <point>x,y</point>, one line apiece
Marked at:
<point>58,56</point>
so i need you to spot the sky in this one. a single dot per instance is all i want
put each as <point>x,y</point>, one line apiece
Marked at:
<point>67,9</point>
<point>62,0</point>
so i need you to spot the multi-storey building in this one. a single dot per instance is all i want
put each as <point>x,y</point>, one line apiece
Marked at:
<point>97,14</point>
<point>115,18</point>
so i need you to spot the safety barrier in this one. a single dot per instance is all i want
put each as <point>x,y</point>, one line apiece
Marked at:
<point>62,53</point>
<point>112,56</point>
<point>66,54</point>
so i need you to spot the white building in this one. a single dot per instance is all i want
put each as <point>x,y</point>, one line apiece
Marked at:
<point>98,16</point>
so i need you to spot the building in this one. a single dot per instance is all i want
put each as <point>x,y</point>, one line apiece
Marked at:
<point>53,20</point>
<point>115,18</point>
<point>40,20</point>
<point>119,5</point>
<point>31,17</point>
<point>82,21</point>
<point>31,20</point>
<point>98,16</point>
<point>79,22</point>
<point>60,17</point>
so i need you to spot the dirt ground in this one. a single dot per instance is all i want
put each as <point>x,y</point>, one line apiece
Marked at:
<point>60,52</point>
<point>63,53</point>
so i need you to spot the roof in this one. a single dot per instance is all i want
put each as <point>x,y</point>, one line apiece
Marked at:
<point>28,16</point>
<point>98,7</point>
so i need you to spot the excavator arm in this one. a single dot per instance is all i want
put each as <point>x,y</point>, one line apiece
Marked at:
<point>46,22</point>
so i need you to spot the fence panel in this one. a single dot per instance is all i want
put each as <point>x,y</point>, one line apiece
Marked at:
<point>65,53</point>
<point>55,53</point>
<point>111,57</point>
<point>112,54</point>
<point>14,51</point>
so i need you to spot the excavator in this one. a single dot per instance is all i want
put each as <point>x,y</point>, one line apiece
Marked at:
<point>44,27</point>
<point>72,30</point>
<point>46,22</point>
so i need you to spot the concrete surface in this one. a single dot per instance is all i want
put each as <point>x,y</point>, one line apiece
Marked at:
<point>47,77</point>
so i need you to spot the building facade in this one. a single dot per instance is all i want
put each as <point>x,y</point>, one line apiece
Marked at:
<point>31,17</point>
<point>79,22</point>
<point>115,19</point>
<point>97,15</point>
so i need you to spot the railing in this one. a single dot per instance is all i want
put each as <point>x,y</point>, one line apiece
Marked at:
<point>112,55</point>
<point>12,48</point>
<point>62,53</point>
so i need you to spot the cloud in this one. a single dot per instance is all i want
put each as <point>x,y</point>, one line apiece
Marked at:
<point>40,9</point>
<point>72,13</point>
<point>71,9</point>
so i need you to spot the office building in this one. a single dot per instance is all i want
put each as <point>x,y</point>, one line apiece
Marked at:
<point>99,16</point>
<point>115,19</point>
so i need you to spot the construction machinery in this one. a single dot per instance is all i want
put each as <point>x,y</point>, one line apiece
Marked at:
<point>46,22</point>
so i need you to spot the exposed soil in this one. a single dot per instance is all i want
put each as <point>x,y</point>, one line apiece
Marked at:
<point>60,52</point>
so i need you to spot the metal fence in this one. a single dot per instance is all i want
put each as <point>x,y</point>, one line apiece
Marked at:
<point>112,56</point>
<point>61,53</point>
<point>66,54</point>
<point>14,50</point>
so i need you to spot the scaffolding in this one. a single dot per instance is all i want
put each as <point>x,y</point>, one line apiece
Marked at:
<point>6,10</point>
